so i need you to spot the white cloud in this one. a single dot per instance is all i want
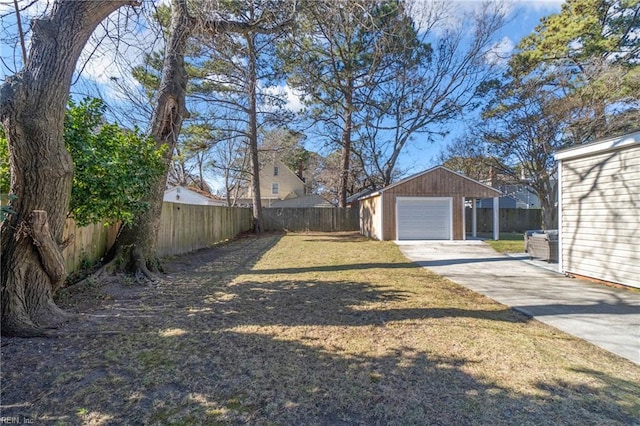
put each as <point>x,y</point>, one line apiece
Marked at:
<point>29,9</point>
<point>550,6</point>
<point>294,99</point>
<point>116,47</point>
<point>439,16</point>
<point>118,43</point>
<point>10,50</point>
<point>500,52</point>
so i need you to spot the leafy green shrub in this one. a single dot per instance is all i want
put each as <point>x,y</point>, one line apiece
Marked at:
<point>114,168</point>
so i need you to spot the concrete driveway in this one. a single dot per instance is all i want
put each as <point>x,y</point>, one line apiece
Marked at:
<point>607,317</point>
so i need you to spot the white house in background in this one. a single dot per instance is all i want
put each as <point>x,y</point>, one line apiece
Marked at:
<point>184,195</point>
<point>599,209</point>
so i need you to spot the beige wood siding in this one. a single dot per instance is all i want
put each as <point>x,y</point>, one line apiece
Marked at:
<point>289,184</point>
<point>600,216</point>
<point>371,217</point>
<point>439,182</point>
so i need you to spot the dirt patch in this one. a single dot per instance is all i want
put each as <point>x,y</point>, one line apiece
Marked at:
<point>307,329</point>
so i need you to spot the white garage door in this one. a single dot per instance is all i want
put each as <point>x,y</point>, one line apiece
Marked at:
<point>424,218</point>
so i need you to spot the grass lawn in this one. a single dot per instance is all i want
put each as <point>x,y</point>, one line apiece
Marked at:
<point>300,329</point>
<point>509,242</point>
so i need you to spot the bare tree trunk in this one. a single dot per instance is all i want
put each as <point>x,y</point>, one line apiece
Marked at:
<point>548,205</point>
<point>346,149</point>
<point>32,108</point>
<point>135,247</point>
<point>253,136</point>
<point>549,210</point>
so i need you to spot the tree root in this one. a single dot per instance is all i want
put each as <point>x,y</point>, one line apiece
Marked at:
<point>24,329</point>
<point>130,262</point>
<point>52,316</point>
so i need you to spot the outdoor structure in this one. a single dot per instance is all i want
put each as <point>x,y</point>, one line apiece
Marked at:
<point>184,195</point>
<point>599,202</point>
<point>426,206</point>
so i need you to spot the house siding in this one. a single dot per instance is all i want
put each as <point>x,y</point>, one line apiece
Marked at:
<point>289,184</point>
<point>184,195</point>
<point>437,182</point>
<point>600,223</point>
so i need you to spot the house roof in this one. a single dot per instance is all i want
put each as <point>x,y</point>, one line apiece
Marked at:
<point>196,191</point>
<point>431,170</point>
<point>599,146</point>
<point>313,200</point>
<point>360,194</point>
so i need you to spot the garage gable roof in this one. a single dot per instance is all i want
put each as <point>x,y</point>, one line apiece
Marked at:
<point>497,192</point>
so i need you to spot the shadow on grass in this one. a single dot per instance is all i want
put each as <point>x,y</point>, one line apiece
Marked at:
<point>326,303</point>
<point>205,348</point>
<point>348,238</point>
<point>222,377</point>
<point>335,268</point>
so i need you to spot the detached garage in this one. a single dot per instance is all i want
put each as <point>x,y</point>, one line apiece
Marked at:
<point>599,210</point>
<point>426,206</point>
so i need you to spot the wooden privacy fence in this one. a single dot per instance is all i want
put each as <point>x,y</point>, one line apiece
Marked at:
<point>511,220</point>
<point>88,245</point>
<point>183,228</point>
<point>186,227</point>
<point>320,219</point>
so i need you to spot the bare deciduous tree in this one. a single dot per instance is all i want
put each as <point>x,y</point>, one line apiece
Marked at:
<point>440,75</point>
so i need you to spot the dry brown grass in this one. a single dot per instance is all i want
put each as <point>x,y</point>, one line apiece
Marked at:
<point>310,329</point>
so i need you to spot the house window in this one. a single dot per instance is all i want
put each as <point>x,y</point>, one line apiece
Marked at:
<point>274,189</point>
<point>275,170</point>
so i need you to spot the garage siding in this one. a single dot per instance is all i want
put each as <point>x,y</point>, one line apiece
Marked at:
<point>371,217</point>
<point>439,182</point>
<point>600,210</point>
<point>378,210</point>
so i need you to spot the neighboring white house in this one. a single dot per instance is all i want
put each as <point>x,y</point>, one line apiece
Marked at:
<point>184,195</point>
<point>599,210</point>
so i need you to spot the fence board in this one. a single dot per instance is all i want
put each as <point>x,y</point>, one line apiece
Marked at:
<point>183,228</point>
<point>310,219</point>
<point>511,220</point>
<point>88,244</point>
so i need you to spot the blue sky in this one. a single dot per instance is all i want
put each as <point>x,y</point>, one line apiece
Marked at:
<point>99,72</point>
<point>524,16</point>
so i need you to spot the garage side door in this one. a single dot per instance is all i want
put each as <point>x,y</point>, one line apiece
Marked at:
<point>424,218</point>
